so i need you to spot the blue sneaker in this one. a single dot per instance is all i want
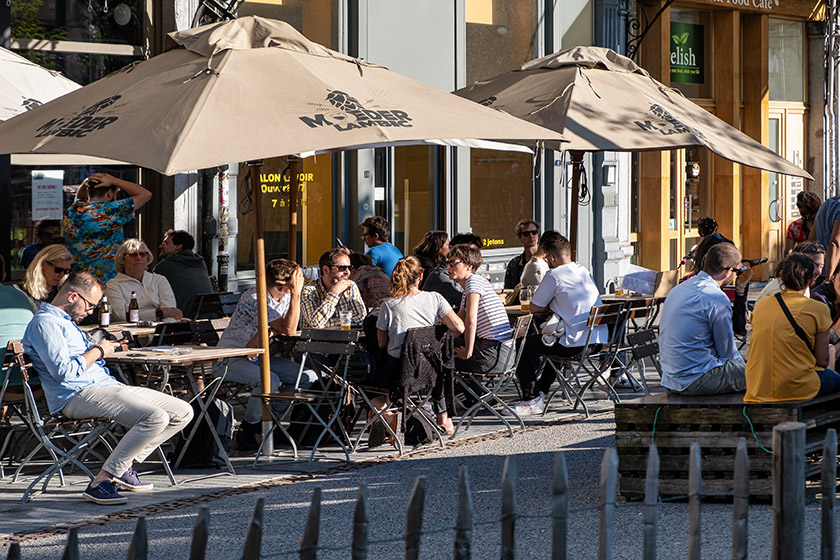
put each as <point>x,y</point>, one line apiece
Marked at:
<point>104,493</point>
<point>131,481</point>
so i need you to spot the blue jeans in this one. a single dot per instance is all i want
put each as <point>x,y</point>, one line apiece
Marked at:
<point>241,370</point>
<point>829,382</point>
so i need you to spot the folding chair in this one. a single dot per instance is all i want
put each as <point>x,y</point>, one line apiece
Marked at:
<point>336,344</point>
<point>13,410</point>
<point>594,360</point>
<point>638,320</point>
<point>66,440</point>
<point>493,383</point>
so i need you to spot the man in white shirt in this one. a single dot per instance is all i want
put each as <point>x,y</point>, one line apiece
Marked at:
<point>569,292</point>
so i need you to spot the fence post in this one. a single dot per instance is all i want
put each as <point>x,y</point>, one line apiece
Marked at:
<point>560,508</point>
<point>463,524</point>
<point>651,511</point>
<point>788,491</point>
<point>253,538</point>
<point>609,488</point>
<point>828,484</point>
<point>71,549</point>
<point>414,519</point>
<point>309,542</point>
<point>139,547</point>
<point>740,501</point>
<point>361,523</point>
<point>508,509</point>
<point>201,531</point>
<point>695,490</point>
<point>14,551</point>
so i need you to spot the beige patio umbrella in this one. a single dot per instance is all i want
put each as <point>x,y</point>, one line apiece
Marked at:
<point>249,89</point>
<point>24,85</point>
<point>602,101</point>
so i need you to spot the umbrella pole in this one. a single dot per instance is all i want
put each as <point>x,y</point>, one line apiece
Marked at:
<point>262,296</point>
<point>577,167</point>
<point>294,182</point>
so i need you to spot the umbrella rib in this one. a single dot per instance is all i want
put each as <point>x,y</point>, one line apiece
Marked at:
<point>556,98</point>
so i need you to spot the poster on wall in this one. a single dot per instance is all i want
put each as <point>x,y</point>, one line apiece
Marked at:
<point>47,195</point>
<point>687,53</point>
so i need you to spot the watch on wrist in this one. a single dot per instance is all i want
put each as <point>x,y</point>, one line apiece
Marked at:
<point>101,352</point>
<point>159,314</point>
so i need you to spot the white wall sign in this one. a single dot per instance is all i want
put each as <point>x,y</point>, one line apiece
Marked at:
<point>47,195</point>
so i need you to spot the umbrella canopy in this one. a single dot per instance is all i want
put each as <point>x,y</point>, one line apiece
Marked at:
<point>248,89</point>
<point>603,101</point>
<point>24,85</point>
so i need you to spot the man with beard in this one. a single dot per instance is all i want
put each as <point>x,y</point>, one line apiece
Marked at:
<point>333,293</point>
<point>77,383</point>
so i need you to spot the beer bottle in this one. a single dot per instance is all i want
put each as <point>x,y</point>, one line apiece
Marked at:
<point>133,309</point>
<point>104,313</point>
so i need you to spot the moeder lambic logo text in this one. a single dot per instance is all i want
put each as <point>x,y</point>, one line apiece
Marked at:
<point>351,115</point>
<point>82,124</point>
<point>666,123</point>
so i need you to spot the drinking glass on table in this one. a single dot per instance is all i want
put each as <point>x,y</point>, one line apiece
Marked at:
<point>345,317</point>
<point>525,299</point>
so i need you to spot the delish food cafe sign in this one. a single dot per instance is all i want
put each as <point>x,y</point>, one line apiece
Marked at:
<point>686,53</point>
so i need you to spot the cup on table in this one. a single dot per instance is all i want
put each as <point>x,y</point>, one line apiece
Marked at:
<point>619,291</point>
<point>345,317</point>
<point>525,299</point>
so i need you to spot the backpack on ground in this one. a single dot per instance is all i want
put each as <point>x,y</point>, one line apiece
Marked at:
<point>417,431</point>
<point>203,451</point>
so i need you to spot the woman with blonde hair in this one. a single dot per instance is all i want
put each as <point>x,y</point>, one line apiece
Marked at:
<point>154,294</point>
<point>46,273</point>
<point>410,308</point>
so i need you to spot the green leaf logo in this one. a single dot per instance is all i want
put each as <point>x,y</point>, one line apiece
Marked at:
<point>676,39</point>
<point>680,40</point>
<point>684,38</point>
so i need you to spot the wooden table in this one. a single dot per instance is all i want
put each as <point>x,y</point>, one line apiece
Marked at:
<point>116,329</point>
<point>158,361</point>
<point>612,298</point>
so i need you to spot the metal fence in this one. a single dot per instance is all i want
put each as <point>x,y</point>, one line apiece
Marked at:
<point>789,487</point>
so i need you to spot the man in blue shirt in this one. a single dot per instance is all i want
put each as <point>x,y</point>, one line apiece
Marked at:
<point>377,231</point>
<point>77,383</point>
<point>696,342</point>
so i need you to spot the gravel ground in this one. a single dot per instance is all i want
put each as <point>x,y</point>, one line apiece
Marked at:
<point>389,486</point>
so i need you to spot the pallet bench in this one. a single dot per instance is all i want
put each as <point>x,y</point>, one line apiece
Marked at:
<point>716,422</point>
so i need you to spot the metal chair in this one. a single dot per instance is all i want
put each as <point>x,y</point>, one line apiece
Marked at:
<point>493,383</point>
<point>334,344</point>
<point>594,360</point>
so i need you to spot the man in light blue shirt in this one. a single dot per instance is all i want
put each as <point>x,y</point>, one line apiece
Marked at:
<point>77,383</point>
<point>377,232</point>
<point>696,343</point>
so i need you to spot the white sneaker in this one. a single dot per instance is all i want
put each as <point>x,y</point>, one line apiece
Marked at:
<point>530,408</point>
<point>538,404</point>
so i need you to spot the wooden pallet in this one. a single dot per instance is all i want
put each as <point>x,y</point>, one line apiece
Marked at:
<point>717,423</point>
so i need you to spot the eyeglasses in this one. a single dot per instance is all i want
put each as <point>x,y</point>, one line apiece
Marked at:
<point>342,267</point>
<point>88,305</point>
<point>450,264</point>
<point>809,248</point>
<point>58,269</point>
<point>529,232</point>
<point>137,254</point>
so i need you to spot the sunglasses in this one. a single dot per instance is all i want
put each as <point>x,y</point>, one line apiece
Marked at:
<point>529,232</point>
<point>58,269</point>
<point>450,264</point>
<point>810,248</point>
<point>88,305</point>
<point>342,267</point>
<point>137,254</point>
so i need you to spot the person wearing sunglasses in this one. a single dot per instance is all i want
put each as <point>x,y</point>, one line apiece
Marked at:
<point>93,224</point>
<point>46,273</point>
<point>528,232</point>
<point>322,301</point>
<point>154,294</point>
<point>77,383</point>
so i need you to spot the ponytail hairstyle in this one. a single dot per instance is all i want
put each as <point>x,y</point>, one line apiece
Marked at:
<point>406,273</point>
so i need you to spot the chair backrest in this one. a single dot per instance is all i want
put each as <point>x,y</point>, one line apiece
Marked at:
<point>208,331</point>
<point>606,314</point>
<point>328,342</point>
<point>643,344</point>
<point>215,304</point>
<point>520,331</point>
<point>171,334</point>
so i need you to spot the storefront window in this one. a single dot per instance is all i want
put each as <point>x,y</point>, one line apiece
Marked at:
<point>500,36</point>
<point>500,195</point>
<point>786,66</point>
<point>316,19</point>
<point>413,192</point>
<point>89,21</point>
<point>314,204</point>
<point>691,52</point>
<point>82,68</point>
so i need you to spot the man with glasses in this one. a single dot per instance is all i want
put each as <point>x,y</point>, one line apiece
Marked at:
<point>377,232</point>
<point>77,383</point>
<point>333,293</point>
<point>696,342</point>
<point>93,224</point>
<point>528,232</point>
<point>815,252</point>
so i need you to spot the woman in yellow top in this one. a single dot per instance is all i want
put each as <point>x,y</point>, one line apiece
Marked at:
<point>782,366</point>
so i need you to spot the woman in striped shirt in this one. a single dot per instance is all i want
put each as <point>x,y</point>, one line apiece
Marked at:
<point>487,346</point>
